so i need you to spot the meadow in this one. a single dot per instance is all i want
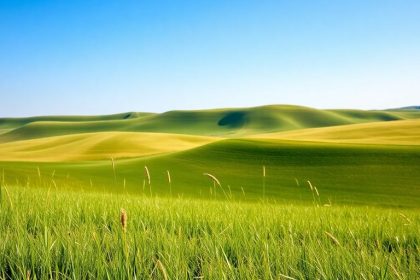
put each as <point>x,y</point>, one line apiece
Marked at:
<point>49,234</point>
<point>272,192</point>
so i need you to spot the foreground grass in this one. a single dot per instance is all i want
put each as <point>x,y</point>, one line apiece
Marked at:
<point>51,234</point>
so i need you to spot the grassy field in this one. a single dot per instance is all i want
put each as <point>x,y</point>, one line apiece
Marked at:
<point>385,175</point>
<point>272,192</point>
<point>49,234</point>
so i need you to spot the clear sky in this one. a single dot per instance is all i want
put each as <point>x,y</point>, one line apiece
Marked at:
<point>98,56</point>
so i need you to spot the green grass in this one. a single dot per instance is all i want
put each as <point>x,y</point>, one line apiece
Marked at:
<point>340,197</point>
<point>74,235</point>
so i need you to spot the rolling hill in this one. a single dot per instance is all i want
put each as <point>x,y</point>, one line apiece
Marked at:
<point>97,146</point>
<point>404,132</point>
<point>343,173</point>
<point>219,122</point>
<point>352,156</point>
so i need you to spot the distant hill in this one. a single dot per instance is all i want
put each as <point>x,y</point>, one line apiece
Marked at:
<point>403,132</point>
<point>227,122</point>
<point>406,108</point>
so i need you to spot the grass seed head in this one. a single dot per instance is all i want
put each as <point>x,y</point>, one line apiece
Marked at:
<point>316,190</point>
<point>405,218</point>
<point>159,264</point>
<point>333,238</point>
<point>147,173</point>
<point>215,180</point>
<point>123,220</point>
<point>169,176</point>
<point>310,185</point>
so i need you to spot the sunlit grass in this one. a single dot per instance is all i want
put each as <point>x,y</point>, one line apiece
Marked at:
<point>64,234</point>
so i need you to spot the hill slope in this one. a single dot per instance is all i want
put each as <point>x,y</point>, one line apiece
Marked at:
<point>218,122</point>
<point>404,132</point>
<point>99,145</point>
<point>17,122</point>
<point>343,173</point>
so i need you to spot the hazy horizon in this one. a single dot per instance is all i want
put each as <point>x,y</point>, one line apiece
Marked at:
<point>104,57</point>
<point>204,109</point>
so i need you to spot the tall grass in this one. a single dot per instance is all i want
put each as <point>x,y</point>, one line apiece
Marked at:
<point>263,175</point>
<point>69,235</point>
<point>147,175</point>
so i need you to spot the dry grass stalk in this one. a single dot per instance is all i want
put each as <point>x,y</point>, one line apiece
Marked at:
<point>123,219</point>
<point>316,190</point>
<point>169,176</point>
<point>169,181</point>
<point>162,269</point>
<point>113,163</point>
<point>55,185</point>
<point>287,277</point>
<point>263,182</point>
<point>396,272</point>
<point>113,170</point>
<point>310,185</point>
<point>405,218</point>
<point>8,196</point>
<point>215,180</point>
<point>147,173</point>
<point>332,237</point>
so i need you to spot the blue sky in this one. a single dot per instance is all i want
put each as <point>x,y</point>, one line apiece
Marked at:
<point>97,56</point>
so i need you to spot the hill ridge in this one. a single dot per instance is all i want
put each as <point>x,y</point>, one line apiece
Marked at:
<point>221,122</point>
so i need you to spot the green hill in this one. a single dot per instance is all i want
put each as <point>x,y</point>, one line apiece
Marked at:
<point>351,156</point>
<point>17,122</point>
<point>98,145</point>
<point>219,122</point>
<point>402,132</point>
